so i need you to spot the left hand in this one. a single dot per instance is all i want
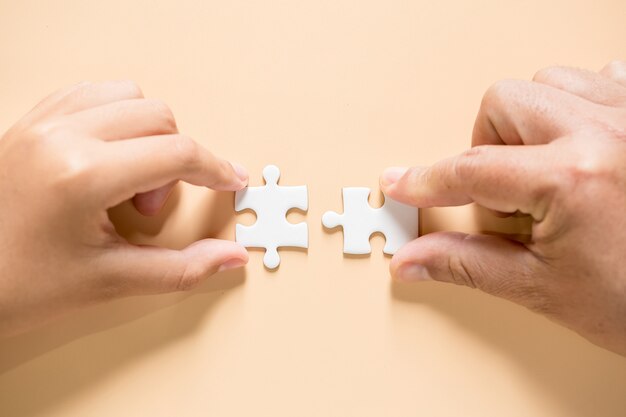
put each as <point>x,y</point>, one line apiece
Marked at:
<point>82,150</point>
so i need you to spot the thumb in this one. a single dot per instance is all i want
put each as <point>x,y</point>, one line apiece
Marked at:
<point>495,265</point>
<point>132,270</point>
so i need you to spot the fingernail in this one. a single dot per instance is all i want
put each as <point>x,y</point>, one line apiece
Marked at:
<point>231,264</point>
<point>241,172</point>
<point>392,175</point>
<point>412,272</point>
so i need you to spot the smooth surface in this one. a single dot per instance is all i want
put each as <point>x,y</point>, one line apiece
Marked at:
<point>398,222</point>
<point>270,203</point>
<point>331,91</point>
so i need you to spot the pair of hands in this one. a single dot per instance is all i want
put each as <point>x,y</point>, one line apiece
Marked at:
<point>92,146</point>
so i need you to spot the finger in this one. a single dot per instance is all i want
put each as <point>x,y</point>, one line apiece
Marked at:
<point>79,97</point>
<point>589,85</point>
<point>501,178</point>
<point>88,95</point>
<point>45,106</point>
<point>495,265</point>
<point>145,164</point>
<point>151,203</point>
<point>616,71</point>
<point>145,270</point>
<point>125,119</point>
<point>525,113</point>
<point>502,214</point>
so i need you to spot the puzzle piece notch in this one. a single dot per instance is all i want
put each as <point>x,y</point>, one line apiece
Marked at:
<point>271,203</point>
<point>398,222</point>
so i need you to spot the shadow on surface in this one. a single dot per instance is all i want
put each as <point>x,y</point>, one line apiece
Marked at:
<point>566,367</point>
<point>94,353</point>
<point>129,223</point>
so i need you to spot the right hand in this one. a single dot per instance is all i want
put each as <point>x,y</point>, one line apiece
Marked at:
<point>553,149</point>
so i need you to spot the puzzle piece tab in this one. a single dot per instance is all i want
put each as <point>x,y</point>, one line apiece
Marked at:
<point>397,221</point>
<point>271,203</point>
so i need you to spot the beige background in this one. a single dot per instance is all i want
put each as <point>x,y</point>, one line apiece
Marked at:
<point>332,92</point>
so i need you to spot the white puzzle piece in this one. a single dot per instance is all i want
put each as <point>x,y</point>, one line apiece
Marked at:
<point>398,222</point>
<point>271,203</point>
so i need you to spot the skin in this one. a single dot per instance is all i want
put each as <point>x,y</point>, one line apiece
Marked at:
<point>553,149</point>
<point>79,152</point>
<point>90,147</point>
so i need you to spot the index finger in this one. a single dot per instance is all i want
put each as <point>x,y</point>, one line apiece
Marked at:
<point>147,163</point>
<point>502,178</point>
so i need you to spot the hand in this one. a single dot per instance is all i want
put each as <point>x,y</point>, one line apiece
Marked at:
<point>564,164</point>
<point>81,151</point>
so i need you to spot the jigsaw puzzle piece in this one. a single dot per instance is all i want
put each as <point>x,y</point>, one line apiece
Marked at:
<point>271,203</point>
<point>397,221</point>
<point>355,220</point>
<point>271,238</point>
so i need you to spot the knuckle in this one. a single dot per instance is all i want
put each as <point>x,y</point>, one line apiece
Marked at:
<point>76,169</point>
<point>612,125</point>
<point>416,176</point>
<point>616,68</point>
<point>163,114</point>
<point>460,274</point>
<point>131,88</point>
<point>465,165</point>
<point>226,172</point>
<point>410,186</point>
<point>67,167</point>
<point>190,277</point>
<point>44,130</point>
<point>37,139</point>
<point>186,150</point>
<point>499,92</point>
<point>549,75</point>
<point>588,166</point>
